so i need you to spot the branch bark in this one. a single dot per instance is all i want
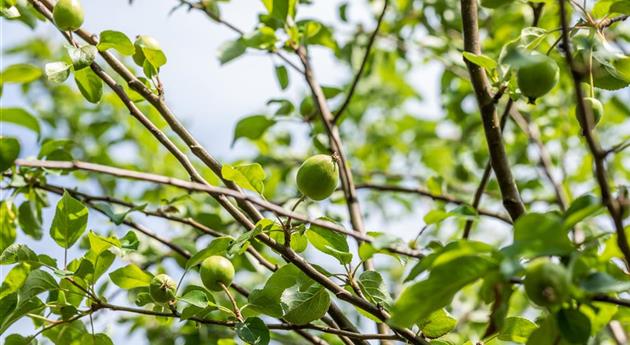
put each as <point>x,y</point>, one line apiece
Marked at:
<point>500,162</point>
<point>599,156</point>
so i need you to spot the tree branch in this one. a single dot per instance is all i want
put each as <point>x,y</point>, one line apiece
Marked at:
<point>533,133</point>
<point>439,197</point>
<point>193,186</point>
<point>599,158</point>
<point>357,77</point>
<point>487,171</point>
<point>500,162</point>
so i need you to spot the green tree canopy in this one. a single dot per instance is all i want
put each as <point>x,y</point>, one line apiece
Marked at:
<point>514,184</point>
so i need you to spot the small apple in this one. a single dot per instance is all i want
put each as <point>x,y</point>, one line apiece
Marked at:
<point>216,270</point>
<point>317,177</point>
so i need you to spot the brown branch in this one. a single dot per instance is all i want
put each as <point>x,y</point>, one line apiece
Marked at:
<point>231,324</point>
<point>485,177</point>
<point>424,192</point>
<point>605,23</point>
<point>533,133</point>
<point>212,190</point>
<point>500,162</point>
<point>359,74</point>
<point>599,158</point>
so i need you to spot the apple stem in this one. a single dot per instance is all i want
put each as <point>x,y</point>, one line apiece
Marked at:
<point>235,308</point>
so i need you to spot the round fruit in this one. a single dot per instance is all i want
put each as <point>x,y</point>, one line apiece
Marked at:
<point>317,177</point>
<point>147,42</point>
<point>537,76</point>
<point>162,288</point>
<point>68,15</point>
<point>216,270</point>
<point>546,283</point>
<point>594,107</point>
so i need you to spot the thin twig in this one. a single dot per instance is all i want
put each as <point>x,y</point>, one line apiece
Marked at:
<point>359,74</point>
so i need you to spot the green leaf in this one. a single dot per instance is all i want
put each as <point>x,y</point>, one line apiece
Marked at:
<point>29,220</point>
<point>14,280</point>
<point>373,287</point>
<point>9,152</point>
<point>195,297</point>
<point>53,146</point>
<point>539,234</point>
<point>17,339</point>
<point>155,57</point>
<point>69,222</point>
<point>280,9</point>
<point>516,329</point>
<point>82,57</point>
<point>130,241</point>
<point>89,84</point>
<point>7,223</point>
<point>67,333</point>
<point>419,300</point>
<point>480,60</point>
<point>110,39</point>
<point>621,6</point>
<point>38,281</point>
<point>118,218</point>
<point>218,246</point>
<point>252,127</point>
<point>20,73</point>
<point>305,306</point>
<point>99,244</point>
<point>574,325</point>
<point>267,299</point>
<point>248,176</point>
<point>283,76</point>
<point>130,276</point>
<point>437,324</point>
<point>448,253</point>
<point>600,282</point>
<point>253,331</point>
<point>231,50</point>
<point>96,339</point>
<point>580,209</point>
<point>20,117</point>
<point>622,65</point>
<point>494,3</point>
<point>17,252</point>
<point>330,242</point>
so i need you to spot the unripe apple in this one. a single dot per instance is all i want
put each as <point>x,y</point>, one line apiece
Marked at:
<point>216,270</point>
<point>144,41</point>
<point>594,107</point>
<point>547,283</point>
<point>68,15</point>
<point>162,288</point>
<point>317,177</point>
<point>537,76</point>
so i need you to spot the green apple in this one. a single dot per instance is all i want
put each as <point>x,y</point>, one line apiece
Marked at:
<point>216,270</point>
<point>162,288</point>
<point>317,177</point>
<point>537,76</point>
<point>68,15</point>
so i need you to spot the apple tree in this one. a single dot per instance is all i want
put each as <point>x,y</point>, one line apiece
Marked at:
<point>358,214</point>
